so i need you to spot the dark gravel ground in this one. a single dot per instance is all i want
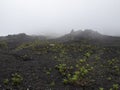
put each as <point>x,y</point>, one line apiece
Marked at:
<point>33,70</point>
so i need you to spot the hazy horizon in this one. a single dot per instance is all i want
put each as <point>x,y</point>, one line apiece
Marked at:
<point>58,17</point>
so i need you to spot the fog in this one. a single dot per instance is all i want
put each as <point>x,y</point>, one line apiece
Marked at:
<point>57,17</point>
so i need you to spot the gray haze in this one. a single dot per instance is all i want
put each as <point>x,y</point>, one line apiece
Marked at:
<point>59,16</point>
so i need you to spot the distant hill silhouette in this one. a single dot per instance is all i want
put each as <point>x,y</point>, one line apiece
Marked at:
<point>88,35</point>
<point>91,36</point>
<point>18,39</point>
<point>21,36</point>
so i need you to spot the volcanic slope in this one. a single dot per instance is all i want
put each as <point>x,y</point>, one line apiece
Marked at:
<point>77,61</point>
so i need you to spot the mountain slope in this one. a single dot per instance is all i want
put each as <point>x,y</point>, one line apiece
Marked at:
<point>90,36</point>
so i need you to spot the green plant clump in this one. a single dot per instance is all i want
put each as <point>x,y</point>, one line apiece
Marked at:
<point>115,86</point>
<point>16,79</point>
<point>3,45</point>
<point>6,81</point>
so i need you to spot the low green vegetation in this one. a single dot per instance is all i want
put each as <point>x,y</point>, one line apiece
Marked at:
<point>75,64</point>
<point>15,80</point>
<point>3,45</point>
<point>6,81</point>
<point>76,75</point>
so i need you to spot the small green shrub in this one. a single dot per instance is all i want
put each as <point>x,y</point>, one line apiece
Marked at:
<point>62,68</point>
<point>65,81</point>
<point>52,83</point>
<point>3,45</point>
<point>6,81</point>
<point>87,54</point>
<point>109,78</point>
<point>16,79</point>
<point>115,86</point>
<point>25,57</point>
<point>101,88</point>
<point>48,73</point>
<point>47,70</point>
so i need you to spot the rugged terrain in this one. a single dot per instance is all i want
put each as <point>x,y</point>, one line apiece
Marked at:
<point>81,60</point>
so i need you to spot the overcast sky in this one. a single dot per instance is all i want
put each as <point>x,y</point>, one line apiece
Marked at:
<point>59,16</point>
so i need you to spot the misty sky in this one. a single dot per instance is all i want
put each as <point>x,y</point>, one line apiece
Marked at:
<point>59,16</point>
